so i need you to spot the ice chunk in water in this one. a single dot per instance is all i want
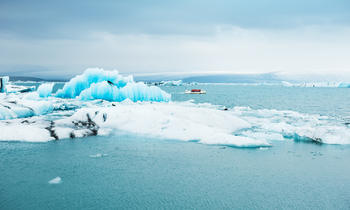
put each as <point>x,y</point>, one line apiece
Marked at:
<point>45,90</point>
<point>56,180</point>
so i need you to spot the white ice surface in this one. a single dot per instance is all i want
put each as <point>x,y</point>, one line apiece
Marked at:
<point>205,123</point>
<point>171,121</point>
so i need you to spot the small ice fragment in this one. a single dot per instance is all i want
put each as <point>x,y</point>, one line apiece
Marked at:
<point>263,148</point>
<point>98,155</point>
<point>56,180</point>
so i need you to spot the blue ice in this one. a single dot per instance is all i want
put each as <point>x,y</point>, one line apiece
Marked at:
<point>111,86</point>
<point>81,82</point>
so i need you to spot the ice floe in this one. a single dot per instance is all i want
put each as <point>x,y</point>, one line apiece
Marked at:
<point>281,125</point>
<point>186,121</point>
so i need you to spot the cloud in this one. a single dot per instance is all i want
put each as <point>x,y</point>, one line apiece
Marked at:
<point>42,19</point>
<point>312,49</point>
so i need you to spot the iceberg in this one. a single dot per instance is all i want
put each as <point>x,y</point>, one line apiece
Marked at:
<point>111,86</point>
<point>81,82</point>
<point>45,90</point>
<point>133,91</point>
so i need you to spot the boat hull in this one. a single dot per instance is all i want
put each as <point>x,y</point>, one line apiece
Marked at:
<point>190,92</point>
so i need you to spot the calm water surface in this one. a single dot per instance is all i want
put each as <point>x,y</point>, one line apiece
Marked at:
<point>138,172</point>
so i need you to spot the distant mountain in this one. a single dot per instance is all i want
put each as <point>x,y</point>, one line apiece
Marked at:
<point>212,78</point>
<point>234,78</point>
<point>215,78</point>
<point>34,79</point>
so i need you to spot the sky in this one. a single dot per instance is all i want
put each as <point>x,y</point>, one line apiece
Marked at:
<point>59,39</point>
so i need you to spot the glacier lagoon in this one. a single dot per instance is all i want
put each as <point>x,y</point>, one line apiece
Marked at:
<point>140,162</point>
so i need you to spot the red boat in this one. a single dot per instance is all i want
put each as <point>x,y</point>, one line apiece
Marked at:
<point>195,91</point>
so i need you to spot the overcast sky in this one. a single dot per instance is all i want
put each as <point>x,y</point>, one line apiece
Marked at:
<point>58,39</point>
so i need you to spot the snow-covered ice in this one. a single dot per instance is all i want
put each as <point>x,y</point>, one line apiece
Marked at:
<point>186,121</point>
<point>170,121</point>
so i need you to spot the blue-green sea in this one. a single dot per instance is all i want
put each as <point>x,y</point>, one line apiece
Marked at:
<point>127,171</point>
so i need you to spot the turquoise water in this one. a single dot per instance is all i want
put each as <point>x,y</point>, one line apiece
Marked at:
<point>136,172</point>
